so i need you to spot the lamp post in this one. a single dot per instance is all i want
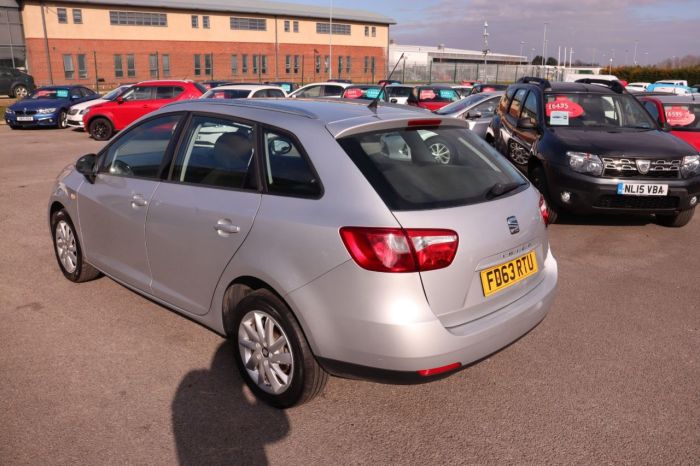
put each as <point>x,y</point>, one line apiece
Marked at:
<point>330,44</point>
<point>634,57</point>
<point>520,57</point>
<point>544,44</point>
<point>486,47</point>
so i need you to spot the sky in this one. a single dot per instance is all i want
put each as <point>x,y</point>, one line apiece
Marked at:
<point>596,29</point>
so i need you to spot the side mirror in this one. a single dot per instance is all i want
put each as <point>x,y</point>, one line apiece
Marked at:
<point>666,127</point>
<point>120,100</point>
<point>394,101</point>
<point>526,123</point>
<point>86,167</point>
<point>473,116</point>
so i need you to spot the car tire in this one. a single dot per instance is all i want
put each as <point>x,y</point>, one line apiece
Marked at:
<point>518,155</point>
<point>676,220</point>
<point>62,120</point>
<point>272,354</point>
<point>441,150</point>
<point>69,253</point>
<point>100,129</point>
<point>20,92</point>
<point>539,180</point>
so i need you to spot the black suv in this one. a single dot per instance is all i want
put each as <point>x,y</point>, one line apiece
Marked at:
<point>591,147</point>
<point>15,83</point>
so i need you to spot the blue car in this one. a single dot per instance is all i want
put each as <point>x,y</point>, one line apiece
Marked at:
<point>47,106</point>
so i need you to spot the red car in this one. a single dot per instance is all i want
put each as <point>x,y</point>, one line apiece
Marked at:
<point>432,97</point>
<point>680,112</point>
<point>103,120</point>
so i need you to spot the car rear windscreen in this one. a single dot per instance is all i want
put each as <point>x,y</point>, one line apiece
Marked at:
<point>428,168</point>
<point>226,94</point>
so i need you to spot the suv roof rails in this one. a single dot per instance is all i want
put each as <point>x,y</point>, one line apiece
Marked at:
<point>543,83</point>
<point>615,85</point>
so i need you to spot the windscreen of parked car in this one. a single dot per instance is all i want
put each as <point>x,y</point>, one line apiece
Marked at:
<point>41,94</point>
<point>432,94</point>
<point>111,95</point>
<point>583,110</point>
<point>683,117</point>
<point>226,94</point>
<point>365,93</point>
<point>398,91</point>
<point>404,167</point>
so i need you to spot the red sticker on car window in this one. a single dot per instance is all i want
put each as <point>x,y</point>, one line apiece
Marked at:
<point>353,93</point>
<point>427,94</point>
<point>563,104</point>
<point>679,116</point>
<point>488,89</point>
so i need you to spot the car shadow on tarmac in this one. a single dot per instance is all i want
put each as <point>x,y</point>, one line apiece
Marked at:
<point>605,220</point>
<point>214,422</point>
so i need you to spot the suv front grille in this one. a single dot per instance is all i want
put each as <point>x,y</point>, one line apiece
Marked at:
<point>613,201</point>
<point>627,168</point>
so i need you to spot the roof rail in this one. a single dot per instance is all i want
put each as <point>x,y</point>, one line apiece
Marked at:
<point>614,84</point>
<point>541,82</point>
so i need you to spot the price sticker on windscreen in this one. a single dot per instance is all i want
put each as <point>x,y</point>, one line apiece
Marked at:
<point>427,94</point>
<point>62,93</point>
<point>372,93</point>
<point>446,93</point>
<point>679,116</point>
<point>562,104</point>
<point>559,118</point>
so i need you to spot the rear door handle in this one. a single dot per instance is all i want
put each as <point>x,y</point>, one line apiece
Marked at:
<point>225,227</point>
<point>137,200</point>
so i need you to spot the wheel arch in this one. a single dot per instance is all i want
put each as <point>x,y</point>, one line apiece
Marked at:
<point>86,124</point>
<point>55,207</point>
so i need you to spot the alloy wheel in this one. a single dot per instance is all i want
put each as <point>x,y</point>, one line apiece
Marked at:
<point>66,247</point>
<point>21,92</point>
<point>518,154</point>
<point>441,152</point>
<point>266,352</point>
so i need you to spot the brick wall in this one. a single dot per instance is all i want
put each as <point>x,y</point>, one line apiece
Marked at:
<point>182,61</point>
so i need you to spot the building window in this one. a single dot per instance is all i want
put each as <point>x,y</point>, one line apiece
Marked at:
<point>166,65</point>
<point>82,66</point>
<point>296,26</point>
<point>248,24</point>
<point>327,63</point>
<point>195,21</point>
<point>318,63</point>
<point>244,64</point>
<point>137,18</point>
<point>374,31</point>
<point>373,62</point>
<point>287,64</point>
<point>207,64</point>
<point>62,15</point>
<point>287,25</point>
<point>68,70</point>
<point>255,64</point>
<point>130,65</point>
<point>118,70</point>
<point>263,64</point>
<point>197,64</point>
<point>153,65</point>
<point>296,64</point>
<point>347,65</point>
<point>77,16</point>
<point>366,64</point>
<point>205,22</point>
<point>340,64</point>
<point>338,28</point>
<point>234,64</point>
<point>366,31</point>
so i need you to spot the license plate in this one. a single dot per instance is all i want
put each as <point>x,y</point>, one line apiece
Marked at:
<point>642,189</point>
<point>25,118</point>
<point>509,273</point>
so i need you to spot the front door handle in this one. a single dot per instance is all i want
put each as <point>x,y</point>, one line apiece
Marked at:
<point>225,227</point>
<point>137,200</point>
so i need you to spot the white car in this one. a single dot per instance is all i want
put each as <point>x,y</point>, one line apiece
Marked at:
<point>325,89</point>
<point>244,91</point>
<point>637,87</point>
<point>76,112</point>
<point>398,93</point>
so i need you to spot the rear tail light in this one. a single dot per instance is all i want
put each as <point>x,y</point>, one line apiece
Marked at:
<point>400,250</point>
<point>439,370</point>
<point>543,210</point>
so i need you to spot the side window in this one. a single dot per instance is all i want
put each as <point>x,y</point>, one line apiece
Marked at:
<point>75,93</point>
<point>530,107</point>
<point>505,100</point>
<point>517,103</point>
<point>258,94</point>
<point>487,109</point>
<point>218,153</point>
<point>313,91</point>
<point>139,153</point>
<point>651,108</point>
<point>275,93</point>
<point>287,171</point>
<point>139,93</point>
<point>168,92</point>
<point>333,91</point>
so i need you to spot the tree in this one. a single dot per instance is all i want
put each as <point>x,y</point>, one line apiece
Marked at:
<point>537,60</point>
<point>551,61</point>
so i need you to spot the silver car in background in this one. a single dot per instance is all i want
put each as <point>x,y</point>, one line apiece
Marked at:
<point>321,237</point>
<point>477,109</point>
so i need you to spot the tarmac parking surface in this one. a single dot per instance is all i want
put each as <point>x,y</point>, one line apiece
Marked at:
<point>96,374</point>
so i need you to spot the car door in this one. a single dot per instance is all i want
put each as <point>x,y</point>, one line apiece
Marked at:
<point>112,210</point>
<point>135,104</point>
<point>530,111</point>
<point>479,116</point>
<point>200,217</point>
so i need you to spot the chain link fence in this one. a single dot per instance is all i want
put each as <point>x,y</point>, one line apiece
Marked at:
<point>457,72</point>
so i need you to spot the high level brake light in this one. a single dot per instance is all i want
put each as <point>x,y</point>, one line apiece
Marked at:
<point>399,250</point>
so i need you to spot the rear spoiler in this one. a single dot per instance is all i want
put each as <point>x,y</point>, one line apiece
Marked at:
<point>341,129</point>
<point>615,85</point>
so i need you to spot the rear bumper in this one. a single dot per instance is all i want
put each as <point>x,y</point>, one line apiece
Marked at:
<point>599,195</point>
<point>384,333</point>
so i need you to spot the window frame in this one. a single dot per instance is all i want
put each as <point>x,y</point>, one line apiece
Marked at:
<point>197,64</point>
<point>66,69</point>
<point>167,155</point>
<point>130,72</point>
<point>194,20</point>
<point>77,14</point>
<point>206,23</point>
<point>62,15</point>
<point>165,58</point>
<point>234,64</point>
<point>118,70</point>
<point>82,70</point>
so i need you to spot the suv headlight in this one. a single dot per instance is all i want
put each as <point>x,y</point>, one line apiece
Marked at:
<point>9,111</point>
<point>585,163</point>
<point>690,166</point>
<point>46,110</point>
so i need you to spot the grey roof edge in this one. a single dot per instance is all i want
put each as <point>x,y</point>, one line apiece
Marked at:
<point>249,7</point>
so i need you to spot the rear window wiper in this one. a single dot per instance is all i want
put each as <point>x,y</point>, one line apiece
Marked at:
<point>499,189</point>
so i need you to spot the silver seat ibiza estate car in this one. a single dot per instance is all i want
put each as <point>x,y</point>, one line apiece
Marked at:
<point>321,237</point>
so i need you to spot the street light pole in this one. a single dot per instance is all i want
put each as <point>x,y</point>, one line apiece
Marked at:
<point>634,58</point>
<point>330,44</point>
<point>544,44</point>
<point>520,57</point>
<point>486,47</point>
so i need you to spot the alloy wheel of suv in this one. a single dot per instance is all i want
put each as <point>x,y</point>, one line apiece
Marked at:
<point>440,150</point>
<point>518,154</point>
<point>20,92</point>
<point>100,129</point>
